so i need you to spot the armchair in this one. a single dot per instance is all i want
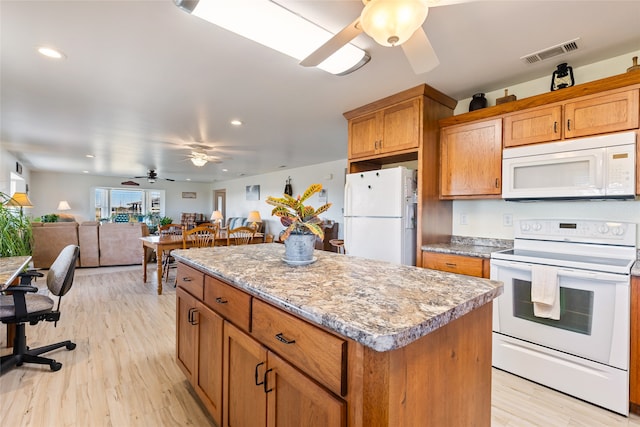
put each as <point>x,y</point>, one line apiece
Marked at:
<point>24,305</point>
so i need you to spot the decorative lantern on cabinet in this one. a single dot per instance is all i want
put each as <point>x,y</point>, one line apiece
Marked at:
<point>562,77</point>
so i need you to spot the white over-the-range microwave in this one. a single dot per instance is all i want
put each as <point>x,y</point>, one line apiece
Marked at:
<point>583,168</point>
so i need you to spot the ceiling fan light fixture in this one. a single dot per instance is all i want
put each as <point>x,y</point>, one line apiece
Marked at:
<point>392,22</point>
<point>273,26</point>
<point>199,159</point>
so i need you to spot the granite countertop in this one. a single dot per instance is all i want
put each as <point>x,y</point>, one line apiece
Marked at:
<point>381,305</point>
<point>10,267</point>
<point>479,247</point>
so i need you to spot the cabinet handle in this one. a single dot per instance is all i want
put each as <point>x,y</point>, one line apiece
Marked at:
<point>264,381</point>
<point>221,300</point>
<point>281,338</point>
<point>450,264</point>
<point>192,316</point>
<point>497,182</point>
<point>568,124</point>
<point>555,127</point>
<point>256,374</point>
<point>187,279</point>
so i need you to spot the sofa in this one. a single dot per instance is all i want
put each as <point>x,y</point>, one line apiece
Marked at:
<point>49,238</point>
<point>100,245</point>
<point>240,221</point>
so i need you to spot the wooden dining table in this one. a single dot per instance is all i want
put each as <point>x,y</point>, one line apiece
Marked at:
<point>168,242</point>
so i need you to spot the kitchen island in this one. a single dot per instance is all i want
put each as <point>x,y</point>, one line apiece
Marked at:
<point>343,341</point>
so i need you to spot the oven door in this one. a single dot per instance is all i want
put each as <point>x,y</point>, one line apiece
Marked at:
<point>594,317</point>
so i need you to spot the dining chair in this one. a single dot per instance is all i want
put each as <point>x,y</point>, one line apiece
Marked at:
<point>201,236</point>
<point>169,231</point>
<point>240,236</point>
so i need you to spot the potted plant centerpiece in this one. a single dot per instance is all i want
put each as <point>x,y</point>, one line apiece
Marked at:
<point>302,224</point>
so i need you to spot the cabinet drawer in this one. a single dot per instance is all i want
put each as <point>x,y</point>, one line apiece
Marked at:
<point>453,263</point>
<point>315,352</point>
<point>191,280</point>
<point>231,303</point>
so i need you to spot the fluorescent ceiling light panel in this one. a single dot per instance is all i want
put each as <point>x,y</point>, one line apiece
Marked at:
<point>271,25</point>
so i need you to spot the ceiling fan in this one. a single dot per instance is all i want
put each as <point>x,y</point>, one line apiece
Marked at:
<point>390,23</point>
<point>152,177</point>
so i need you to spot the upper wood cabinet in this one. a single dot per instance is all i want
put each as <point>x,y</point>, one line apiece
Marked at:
<point>388,130</point>
<point>533,126</point>
<point>471,160</point>
<point>610,112</point>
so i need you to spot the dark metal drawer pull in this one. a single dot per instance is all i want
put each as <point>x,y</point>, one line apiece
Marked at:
<point>187,279</point>
<point>256,374</point>
<point>264,381</point>
<point>450,264</point>
<point>281,338</point>
<point>221,300</point>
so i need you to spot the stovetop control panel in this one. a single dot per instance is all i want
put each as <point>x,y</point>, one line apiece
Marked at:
<point>586,231</point>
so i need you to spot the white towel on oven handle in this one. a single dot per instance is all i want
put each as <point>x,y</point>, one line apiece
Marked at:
<point>545,292</point>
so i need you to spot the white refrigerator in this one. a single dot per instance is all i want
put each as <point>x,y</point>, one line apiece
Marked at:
<point>379,215</point>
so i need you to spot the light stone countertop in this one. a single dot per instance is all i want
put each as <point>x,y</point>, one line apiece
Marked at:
<point>478,247</point>
<point>381,305</point>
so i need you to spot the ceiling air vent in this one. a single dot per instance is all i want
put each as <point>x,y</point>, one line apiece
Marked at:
<point>552,51</point>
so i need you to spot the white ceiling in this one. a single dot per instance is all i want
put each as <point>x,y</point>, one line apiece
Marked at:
<point>143,79</point>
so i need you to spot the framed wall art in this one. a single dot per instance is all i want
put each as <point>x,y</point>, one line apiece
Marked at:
<point>189,194</point>
<point>253,192</point>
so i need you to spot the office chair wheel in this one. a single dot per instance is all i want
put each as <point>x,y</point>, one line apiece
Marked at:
<point>71,346</point>
<point>55,366</point>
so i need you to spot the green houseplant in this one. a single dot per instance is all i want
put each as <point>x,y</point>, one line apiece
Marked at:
<point>15,231</point>
<point>302,223</point>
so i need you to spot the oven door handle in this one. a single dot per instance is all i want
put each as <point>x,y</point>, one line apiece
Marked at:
<point>593,275</point>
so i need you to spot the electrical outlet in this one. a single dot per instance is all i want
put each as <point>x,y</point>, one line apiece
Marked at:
<point>463,219</point>
<point>507,220</point>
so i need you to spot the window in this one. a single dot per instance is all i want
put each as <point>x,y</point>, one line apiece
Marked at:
<point>124,205</point>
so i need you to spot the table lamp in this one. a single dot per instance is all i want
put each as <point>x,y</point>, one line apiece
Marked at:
<point>19,200</point>
<point>64,206</point>
<point>216,216</point>
<point>254,218</point>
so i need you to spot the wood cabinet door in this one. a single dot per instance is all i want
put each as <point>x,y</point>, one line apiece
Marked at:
<point>401,126</point>
<point>602,114</point>
<point>296,401</point>
<point>533,126</point>
<point>634,368</point>
<point>244,368</point>
<point>471,159</point>
<point>364,136</point>
<point>186,333</point>
<point>208,378</point>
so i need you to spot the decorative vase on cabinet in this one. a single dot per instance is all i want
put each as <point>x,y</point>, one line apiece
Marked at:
<point>477,102</point>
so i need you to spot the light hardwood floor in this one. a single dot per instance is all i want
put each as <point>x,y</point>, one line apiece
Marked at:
<point>123,371</point>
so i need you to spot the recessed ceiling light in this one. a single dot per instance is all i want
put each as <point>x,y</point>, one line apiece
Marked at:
<point>50,52</point>
<point>85,171</point>
<point>188,179</point>
<point>90,156</point>
<point>236,122</point>
<point>225,170</point>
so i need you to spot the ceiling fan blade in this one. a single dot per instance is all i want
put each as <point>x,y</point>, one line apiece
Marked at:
<point>420,53</point>
<point>345,35</point>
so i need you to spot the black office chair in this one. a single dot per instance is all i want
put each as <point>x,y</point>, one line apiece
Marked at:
<point>21,304</point>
